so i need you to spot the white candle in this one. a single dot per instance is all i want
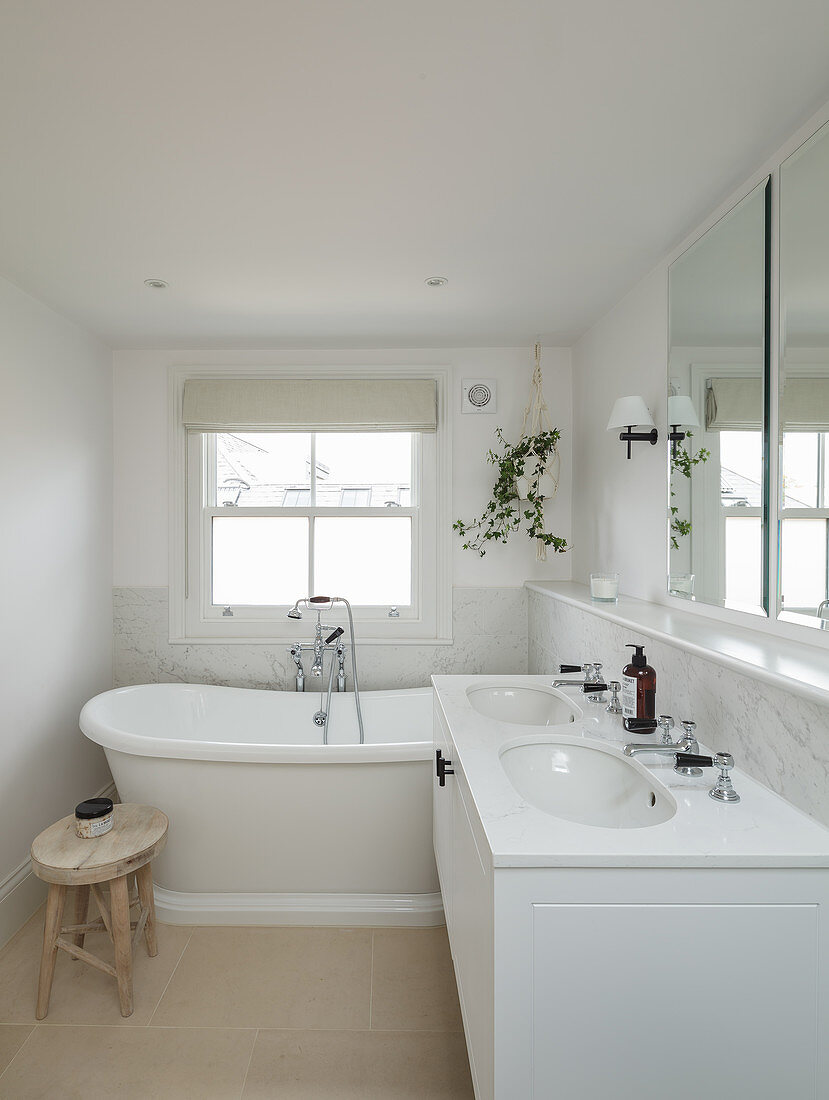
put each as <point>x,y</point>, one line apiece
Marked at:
<point>604,586</point>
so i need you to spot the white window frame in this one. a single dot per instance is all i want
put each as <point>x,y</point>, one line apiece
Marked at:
<point>194,619</point>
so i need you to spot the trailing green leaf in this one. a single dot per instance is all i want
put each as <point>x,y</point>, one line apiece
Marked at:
<point>529,459</point>
<point>683,462</point>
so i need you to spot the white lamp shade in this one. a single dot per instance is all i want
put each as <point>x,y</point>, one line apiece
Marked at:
<point>630,412</point>
<point>681,411</point>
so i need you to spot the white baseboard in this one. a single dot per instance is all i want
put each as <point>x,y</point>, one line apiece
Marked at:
<point>22,892</point>
<point>337,910</point>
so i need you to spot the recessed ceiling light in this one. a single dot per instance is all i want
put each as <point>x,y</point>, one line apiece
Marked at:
<point>156,284</point>
<point>436,280</point>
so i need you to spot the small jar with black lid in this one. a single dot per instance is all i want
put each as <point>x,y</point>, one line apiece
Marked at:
<point>93,817</point>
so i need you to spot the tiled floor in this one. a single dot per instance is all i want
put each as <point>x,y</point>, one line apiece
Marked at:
<point>282,1013</point>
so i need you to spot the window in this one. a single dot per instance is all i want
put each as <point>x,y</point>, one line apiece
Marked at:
<point>326,535</point>
<point>804,522</point>
<point>271,516</point>
<point>741,502</point>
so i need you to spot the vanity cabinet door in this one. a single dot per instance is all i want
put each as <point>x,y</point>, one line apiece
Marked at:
<point>738,983</point>
<point>442,818</point>
<point>472,938</point>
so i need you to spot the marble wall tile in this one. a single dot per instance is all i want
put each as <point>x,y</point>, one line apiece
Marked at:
<point>490,636</point>
<point>777,737</point>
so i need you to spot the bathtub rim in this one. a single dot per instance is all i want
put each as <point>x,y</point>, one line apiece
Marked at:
<point>138,744</point>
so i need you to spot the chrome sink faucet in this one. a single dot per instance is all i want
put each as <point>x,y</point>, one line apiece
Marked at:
<point>592,675</point>
<point>687,744</point>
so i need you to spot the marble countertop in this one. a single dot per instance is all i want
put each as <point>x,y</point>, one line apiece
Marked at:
<point>763,830</point>
<point>799,667</point>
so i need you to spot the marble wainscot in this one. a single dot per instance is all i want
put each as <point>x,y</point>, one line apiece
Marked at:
<point>489,627</point>
<point>766,702</point>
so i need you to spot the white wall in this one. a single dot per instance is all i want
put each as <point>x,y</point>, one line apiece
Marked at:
<point>141,443</point>
<point>619,520</point>
<point>56,561</point>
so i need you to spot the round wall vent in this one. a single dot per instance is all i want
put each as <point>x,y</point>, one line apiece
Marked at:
<point>478,395</point>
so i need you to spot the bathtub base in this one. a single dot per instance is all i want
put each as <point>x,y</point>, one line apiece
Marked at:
<point>333,910</point>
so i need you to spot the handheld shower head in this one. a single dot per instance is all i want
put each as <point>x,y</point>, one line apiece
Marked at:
<point>295,613</point>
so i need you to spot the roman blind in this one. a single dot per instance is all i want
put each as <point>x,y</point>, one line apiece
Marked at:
<point>310,404</point>
<point>736,404</point>
<point>804,405</point>
<point>733,404</point>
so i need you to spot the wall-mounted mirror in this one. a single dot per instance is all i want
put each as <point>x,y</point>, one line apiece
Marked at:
<point>804,383</point>
<point>718,377</point>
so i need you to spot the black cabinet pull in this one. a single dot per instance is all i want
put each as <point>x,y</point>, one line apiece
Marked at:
<point>442,768</point>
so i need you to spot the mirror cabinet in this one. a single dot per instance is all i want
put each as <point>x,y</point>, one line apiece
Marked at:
<point>718,390</point>
<point>736,540</point>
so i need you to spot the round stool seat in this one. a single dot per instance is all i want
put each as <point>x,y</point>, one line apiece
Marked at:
<point>63,859</point>
<point>137,835</point>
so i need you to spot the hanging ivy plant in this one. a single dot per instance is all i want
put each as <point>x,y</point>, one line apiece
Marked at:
<point>529,459</point>
<point>683,462</point>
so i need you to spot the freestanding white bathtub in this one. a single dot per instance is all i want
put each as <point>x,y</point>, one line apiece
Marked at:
<point>267,824</point>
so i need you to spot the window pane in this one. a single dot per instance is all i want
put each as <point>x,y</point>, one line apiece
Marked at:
<point>742,560</point>
<point>367,560</point>
<point>259,560</point>
<point>269,463</point>
<point>800,470</point>
<point>741,469</point>
<point>803,567</point>
<point>364,469</point>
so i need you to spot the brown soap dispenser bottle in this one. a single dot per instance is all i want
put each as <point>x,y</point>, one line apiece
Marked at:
<point>639,693</point>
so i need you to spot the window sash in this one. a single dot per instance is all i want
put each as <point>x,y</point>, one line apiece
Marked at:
<point>205,463</point>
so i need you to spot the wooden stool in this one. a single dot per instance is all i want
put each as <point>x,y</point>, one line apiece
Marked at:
<point>63,859</point>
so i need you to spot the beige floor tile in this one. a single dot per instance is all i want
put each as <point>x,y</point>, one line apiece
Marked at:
<point>413,985</point>
<point>364,1065</point>
<point>81,994</point>
<point>12,1038</point>
<point>85,1063</point>
<point>271,977</point>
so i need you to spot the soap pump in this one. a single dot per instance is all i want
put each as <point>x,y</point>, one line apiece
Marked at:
<point>639,693</point>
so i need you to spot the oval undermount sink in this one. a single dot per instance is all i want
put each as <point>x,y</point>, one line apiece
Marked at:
<point>586,784</point>
<point>523,706</point>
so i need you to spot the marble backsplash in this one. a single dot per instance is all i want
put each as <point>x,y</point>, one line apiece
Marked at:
<point>490,635</point>
<point>780,739</point>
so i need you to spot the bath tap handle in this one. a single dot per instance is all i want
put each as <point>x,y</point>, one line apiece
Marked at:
<point>593,688</point>
<point>333,637</point>
<point>569,668</point>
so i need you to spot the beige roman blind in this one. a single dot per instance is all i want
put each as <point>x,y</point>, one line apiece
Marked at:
<point>805,405</point>
<point>736,404</point>
<point>310,404</point>
<point>733,404</point>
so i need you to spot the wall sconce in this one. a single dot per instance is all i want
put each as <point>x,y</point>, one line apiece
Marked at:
<point>630,411</point>
<point>680,411</point>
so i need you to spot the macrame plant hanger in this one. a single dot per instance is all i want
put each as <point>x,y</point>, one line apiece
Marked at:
<point>536,421</point>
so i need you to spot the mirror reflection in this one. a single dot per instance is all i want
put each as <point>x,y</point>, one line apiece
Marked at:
<point>717,412</point>
<point>804,383</point>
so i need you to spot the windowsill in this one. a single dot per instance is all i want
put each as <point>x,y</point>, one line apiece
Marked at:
<point>793,666</point>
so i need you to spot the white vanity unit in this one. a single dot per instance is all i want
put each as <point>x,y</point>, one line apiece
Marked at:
<point>617,933</point>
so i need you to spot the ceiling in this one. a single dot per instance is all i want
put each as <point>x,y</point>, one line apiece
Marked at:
<point>296,170</point>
